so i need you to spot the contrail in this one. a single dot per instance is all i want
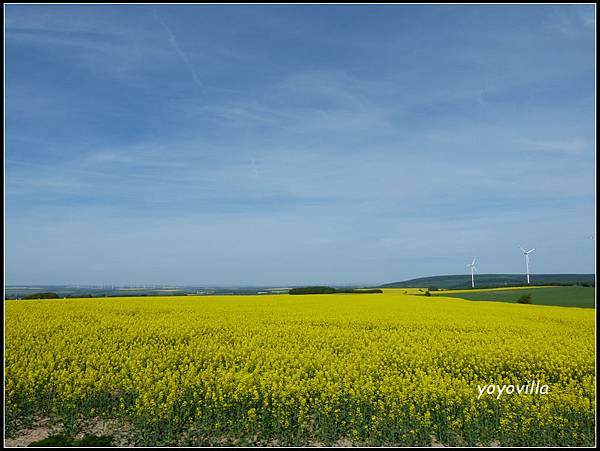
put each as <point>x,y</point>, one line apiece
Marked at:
<point>184,57</point>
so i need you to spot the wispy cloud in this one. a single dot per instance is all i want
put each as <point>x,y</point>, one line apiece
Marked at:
<point>588,17</point>
<point>574,20</point>
<point>570,146</point>
<point>182,55</point>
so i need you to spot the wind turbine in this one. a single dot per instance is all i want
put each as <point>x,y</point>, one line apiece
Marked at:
<point>473,270</point>
<point>526,254</point>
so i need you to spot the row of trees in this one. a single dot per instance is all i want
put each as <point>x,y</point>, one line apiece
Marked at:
<point>331,290</point>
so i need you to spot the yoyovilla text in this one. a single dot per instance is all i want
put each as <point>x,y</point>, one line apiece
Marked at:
<point>531,388</point>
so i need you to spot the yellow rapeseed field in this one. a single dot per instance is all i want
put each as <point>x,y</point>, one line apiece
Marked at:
<point>388,368</point>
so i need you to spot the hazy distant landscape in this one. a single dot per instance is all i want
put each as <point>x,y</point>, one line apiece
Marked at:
<point>447,282</point>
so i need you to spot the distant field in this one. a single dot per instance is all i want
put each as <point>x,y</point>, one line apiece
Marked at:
<point>460,281</point>
<point>561,296</point>
<point>404,290</point>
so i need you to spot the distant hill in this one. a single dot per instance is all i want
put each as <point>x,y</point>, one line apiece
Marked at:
<point>491,280</point>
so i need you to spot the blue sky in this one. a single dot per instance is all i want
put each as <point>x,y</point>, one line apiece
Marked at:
<point>295,144</point>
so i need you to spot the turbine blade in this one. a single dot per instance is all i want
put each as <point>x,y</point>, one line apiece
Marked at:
<point>531,250</point>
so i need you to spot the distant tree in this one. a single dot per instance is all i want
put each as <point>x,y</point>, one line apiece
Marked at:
<point>312,290</point>
<point>330,290</point>
<point>48,295</point>
<point>427,293</point>
<point>525,299</point>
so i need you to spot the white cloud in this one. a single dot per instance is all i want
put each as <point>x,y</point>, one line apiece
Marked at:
<point>568,146</point>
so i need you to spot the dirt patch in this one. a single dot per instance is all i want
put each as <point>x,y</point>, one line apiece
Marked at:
<point>118,430</point>
<point>24,438</point>
<point>41,428</point>
<point>344,442</point>
<point>436,444</point>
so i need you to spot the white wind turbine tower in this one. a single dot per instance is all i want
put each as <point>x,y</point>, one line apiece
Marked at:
<point>473,270</point>
<point>526,254</point>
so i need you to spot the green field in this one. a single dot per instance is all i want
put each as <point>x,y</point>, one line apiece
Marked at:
<point>574,296</point>
<point>461,281</point>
